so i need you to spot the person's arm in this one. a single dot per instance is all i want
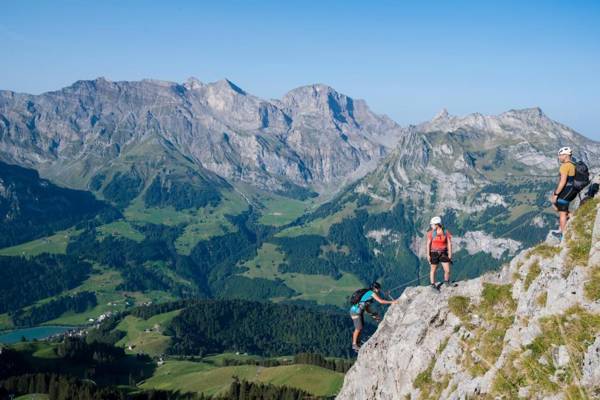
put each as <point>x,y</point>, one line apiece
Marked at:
<point>449,240</point>
<point>383,301</point>
<point>562,182</point>
<point>429,248</point>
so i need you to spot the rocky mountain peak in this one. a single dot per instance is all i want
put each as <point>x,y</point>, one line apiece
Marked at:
<point>442,114</point>
<point>530,330</point>
<point>225,85</point>
<point>526,114</point>
<point>89,85</point>
<point>193,83</point>
<point>320,99</point>
<point>159,82</point>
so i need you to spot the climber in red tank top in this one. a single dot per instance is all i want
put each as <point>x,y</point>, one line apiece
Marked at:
<point>439,249</point>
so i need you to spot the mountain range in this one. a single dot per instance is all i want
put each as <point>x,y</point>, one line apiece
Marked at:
<point>303,198</point>
<point>312,136</point>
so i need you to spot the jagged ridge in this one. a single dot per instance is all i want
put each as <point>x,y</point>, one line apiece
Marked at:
<point>312,136</point>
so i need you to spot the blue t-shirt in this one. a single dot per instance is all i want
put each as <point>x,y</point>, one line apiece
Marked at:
<point>366,298</point>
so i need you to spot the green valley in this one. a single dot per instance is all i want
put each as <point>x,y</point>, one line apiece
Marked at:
<point>206,378</point>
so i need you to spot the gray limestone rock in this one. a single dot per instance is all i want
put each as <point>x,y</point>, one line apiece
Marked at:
<point>591,366</point>
<point>421,335</point>
<point>313,136</point>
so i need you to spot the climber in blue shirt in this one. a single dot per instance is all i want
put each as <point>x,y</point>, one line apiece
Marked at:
<point>361,300</point>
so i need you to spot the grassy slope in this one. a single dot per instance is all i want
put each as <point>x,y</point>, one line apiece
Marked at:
<point>55,244</point>
<point>199,224</point>
<point>5,322</point>
<point>152,343</point>
<point>322,289</point>
<point>104,283</point>
<point>277,210</point>
<point>189,376</point>
<point>218,359</point>
<point>117,298</point>
<point>120,228</point>
<point>316,380</point>
<point>320,226</point>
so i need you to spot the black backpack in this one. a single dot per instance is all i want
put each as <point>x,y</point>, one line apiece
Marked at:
<point>356,296</point>
<point>582,176</point>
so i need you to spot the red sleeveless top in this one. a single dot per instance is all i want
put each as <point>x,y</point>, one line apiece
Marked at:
<point>440,241</point>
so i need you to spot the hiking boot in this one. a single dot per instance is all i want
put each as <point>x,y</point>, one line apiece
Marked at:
<point>435,287</point>
<point>355,347</point>
<point>557,235</point>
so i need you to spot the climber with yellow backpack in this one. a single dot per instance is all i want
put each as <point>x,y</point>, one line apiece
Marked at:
<point>573,178</point>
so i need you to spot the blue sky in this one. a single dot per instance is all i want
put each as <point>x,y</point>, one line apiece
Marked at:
<point>408,60</point>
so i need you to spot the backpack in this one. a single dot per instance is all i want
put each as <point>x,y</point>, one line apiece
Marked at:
<point>356,296</point>
<point>434,233</point>
<point>582,176</point>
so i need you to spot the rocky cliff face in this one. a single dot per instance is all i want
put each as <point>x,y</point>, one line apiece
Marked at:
<point>530,330</point>
<point>313,136</point>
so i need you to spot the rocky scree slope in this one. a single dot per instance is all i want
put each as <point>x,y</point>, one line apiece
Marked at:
<point>530,330</point>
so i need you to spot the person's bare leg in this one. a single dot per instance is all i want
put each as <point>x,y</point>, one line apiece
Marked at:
<point>446,267</point>
<point>355,337</point>
<point>432,273</point>
<point>563,217</point>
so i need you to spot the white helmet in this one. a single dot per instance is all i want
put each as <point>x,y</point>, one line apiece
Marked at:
<point>565,150</point>
<point>435,221</point>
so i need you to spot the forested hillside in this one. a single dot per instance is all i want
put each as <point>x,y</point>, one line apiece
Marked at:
<point>23,281</point>
<point>275,337</point>
<point>31,207</point>
<point>258,328</point>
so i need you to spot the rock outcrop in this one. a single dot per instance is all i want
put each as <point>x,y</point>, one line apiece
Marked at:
<point>530,330</point>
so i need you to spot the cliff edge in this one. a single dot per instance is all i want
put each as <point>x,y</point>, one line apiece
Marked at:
<point>530,330</point>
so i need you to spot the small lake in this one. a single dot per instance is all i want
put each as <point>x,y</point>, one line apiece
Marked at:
<point>38,332</point>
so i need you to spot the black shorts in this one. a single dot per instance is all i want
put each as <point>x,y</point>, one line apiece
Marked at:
<point>439,256</point>
<point>562,206</point>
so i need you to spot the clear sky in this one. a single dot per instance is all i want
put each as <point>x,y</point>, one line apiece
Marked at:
<point>408,60</point>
